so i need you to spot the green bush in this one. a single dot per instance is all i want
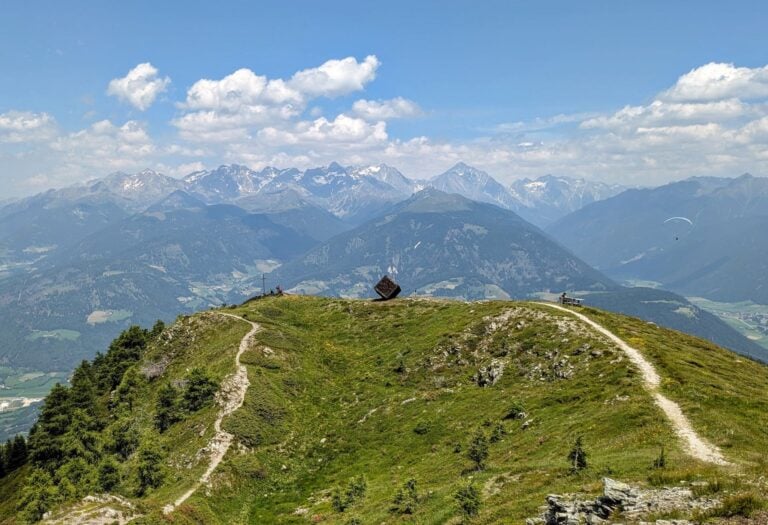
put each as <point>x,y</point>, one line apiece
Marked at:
<point>406,499</point>
<point>421,428</point>
<point>341,501</point>
<point>498,433</point>
<point>516,411</point>
<point>468,499</point>
<point>478,450</point>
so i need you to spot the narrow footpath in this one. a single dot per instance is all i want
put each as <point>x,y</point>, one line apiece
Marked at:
<point>232,395</point>
<point>695,445</point>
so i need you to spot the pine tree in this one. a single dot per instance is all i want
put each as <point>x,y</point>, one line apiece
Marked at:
<point>149,471</point>
<point>577,457</point>
<point>78,476</point>
<point>81,441</point>
<point>3,469</point>
<point>406,499</point>
<point>16,453</point>
<point>129,388</point>
<point>123,352</point>
<point>168,411</point>
<point>200,390</point>
<point>108,474</point>
<point>157,329</point>
<point>46,447</point>
<point>38,495</point>
<point>83,389</point>
<point>122,438</point>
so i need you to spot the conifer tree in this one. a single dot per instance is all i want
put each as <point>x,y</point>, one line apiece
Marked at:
<point>16,453</point>
<point>577,457</point>
<point>122,438</point>
<point>46,447</point>
<point>149,470</point>
<point>168,411</point>
<point>123,352</point>
<point>406,499</point>
<point>78,477</point>
<point>200,390</point>
<point>38,495</point>
<point>108,474</point>
<point>83,389</point>
<point>157,329</point>
<point>81,441</point>
<point>468,499</point>
<point>129,388</point>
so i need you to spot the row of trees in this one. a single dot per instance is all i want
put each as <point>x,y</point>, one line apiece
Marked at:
<point>87,437</point>
<point>84,431</point>
<point>13,455</point>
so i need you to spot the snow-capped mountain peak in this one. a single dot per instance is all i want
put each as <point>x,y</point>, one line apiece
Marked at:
<point>475,184</point>
<point>388,175</point>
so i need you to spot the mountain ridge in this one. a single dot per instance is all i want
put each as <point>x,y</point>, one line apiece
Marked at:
<point>329,407</point>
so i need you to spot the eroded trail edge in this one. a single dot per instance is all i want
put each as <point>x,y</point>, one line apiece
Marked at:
<point>695,445</point>
<point>230,397</point>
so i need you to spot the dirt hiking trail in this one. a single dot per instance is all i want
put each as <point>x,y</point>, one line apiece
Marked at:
<point>230,397</point>
<point>695,445</point>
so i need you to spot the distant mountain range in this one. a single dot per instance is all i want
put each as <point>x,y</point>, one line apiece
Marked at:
<point>442,244</point>
<point>80,263</point>
<point>540,201</point>
<point>549,198</point>
<point>703,236</point>
<point>445,245</point>
<point>177,256</point>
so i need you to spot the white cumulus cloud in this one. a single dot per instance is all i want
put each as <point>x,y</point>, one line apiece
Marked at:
<point>243,88</point>
<point>660,113</point>
<point>398,107</point>
<point>342,130</point>
<point>240,105</point>
<point>26,126</point>
<point>140,87</point>
<point>715,81</point>
<point>336,77</point>
<point>106,145</point>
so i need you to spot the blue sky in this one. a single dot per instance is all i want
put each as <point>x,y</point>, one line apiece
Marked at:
<point>599,89</point>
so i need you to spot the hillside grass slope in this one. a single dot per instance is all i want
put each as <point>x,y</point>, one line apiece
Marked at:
<point>353,402</point>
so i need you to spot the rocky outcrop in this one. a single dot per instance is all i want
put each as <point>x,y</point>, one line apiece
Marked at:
<point>490,374</point>
<point>632,502</point>
<point>100,509</point>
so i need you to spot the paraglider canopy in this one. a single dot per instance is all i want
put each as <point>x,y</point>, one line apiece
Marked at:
<point>678,226</point>
<point>685,219</point>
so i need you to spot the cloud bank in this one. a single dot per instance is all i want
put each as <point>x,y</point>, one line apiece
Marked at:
<point>712,120</point>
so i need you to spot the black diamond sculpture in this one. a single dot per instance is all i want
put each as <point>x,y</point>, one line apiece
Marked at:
<point>387,288</point>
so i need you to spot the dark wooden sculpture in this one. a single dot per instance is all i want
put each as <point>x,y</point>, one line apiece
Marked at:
<point>387,288</point>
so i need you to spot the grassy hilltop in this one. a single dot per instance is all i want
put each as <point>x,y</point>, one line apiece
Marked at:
<point>362,397</point>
